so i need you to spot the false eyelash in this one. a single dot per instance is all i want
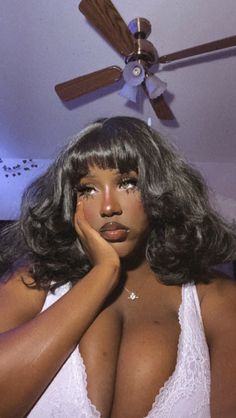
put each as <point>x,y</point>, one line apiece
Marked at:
<point>83,190</point>
<point>80,188</point>
<point>133,180</point>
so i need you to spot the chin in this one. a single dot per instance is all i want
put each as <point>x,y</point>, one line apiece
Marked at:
<point>129,250</point>
<point>123,249</point>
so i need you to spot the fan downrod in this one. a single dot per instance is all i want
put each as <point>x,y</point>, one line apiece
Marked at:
<point>140,27</point>
<point>144,49</point>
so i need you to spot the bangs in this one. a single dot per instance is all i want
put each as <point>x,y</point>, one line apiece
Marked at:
<point>106,150</point>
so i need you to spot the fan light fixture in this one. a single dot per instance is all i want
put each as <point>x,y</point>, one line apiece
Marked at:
<point>134,75</point>
<point>155,86</point>
<point>129,92</point>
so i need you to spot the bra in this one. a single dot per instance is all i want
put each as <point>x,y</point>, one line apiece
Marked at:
<point>185,394</point>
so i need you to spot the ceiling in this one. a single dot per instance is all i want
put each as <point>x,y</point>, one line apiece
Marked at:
<point>47,42</point>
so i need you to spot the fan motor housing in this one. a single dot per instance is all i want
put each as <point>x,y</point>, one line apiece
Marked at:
<point>144,49</point>
<point>140,27</point>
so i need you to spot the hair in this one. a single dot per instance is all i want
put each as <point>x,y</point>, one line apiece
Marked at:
<point>187,236</point>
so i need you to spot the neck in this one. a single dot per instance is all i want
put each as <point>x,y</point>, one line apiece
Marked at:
<point>132,278</point>
<point>137,272</point>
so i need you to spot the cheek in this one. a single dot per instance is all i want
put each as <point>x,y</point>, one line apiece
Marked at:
<point>91,211</point>
<point>133,207</point>
<point>134,203</point>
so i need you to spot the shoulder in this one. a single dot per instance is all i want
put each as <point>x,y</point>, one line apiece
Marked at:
<point>218,305</point>
<point>18,302</point>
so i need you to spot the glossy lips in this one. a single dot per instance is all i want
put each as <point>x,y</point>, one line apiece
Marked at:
<point>114,232</point>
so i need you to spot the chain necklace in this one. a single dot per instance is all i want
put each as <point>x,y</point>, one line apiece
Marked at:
<point>132,295</point>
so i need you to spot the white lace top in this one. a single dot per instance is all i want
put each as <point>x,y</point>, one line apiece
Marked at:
<point>185,394</point>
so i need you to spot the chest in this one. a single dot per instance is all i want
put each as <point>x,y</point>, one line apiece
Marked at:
<point>150,343</point>
<point>130,353</point>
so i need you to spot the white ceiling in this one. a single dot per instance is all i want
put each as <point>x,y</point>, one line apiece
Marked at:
<point>47,42</point>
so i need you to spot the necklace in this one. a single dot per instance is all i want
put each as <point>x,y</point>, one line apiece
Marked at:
<point>132,295</point>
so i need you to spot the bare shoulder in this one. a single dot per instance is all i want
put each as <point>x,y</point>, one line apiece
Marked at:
<point>218,304</point>
<point>18,302</point>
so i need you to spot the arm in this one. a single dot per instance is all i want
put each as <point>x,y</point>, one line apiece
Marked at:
<point>33,347</point>
<point>219,316</point>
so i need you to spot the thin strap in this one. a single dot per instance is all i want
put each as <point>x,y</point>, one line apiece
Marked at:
<point>197,302</point>
<point>190,288</point>
<point>196,299</point>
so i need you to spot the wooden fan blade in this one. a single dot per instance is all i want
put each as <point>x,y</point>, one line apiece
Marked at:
<point>104,17</point>
<point>200,49</point>
<point>161,108</point>
<point>79,86</point>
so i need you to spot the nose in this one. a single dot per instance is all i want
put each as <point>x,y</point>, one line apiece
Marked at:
<point>110,205</point>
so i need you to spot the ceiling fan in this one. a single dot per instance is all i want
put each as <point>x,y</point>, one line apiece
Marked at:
<point>139,53</point>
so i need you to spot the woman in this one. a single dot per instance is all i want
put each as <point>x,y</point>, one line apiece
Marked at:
<point>113,251</point>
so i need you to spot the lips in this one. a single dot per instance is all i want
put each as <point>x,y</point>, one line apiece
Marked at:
<point>112,226</point>
<point>114,232</point>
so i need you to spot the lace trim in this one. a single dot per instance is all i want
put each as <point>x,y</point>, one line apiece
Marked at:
<point>189,385</point>
<point>167,382</point>
<point>96,413</point>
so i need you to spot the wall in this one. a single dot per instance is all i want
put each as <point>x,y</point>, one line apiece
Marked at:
<point>13,180</point>
<point>220,178</point>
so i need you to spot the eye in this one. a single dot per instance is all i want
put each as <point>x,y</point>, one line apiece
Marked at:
<point>128,184</point>
<point>86,191</point>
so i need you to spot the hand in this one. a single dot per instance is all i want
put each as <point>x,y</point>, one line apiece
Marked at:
<point>97,248</point>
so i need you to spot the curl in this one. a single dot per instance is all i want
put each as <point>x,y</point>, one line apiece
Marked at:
<point>187,236</point>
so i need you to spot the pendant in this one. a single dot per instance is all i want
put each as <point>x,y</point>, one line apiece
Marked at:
<point>133,296</point>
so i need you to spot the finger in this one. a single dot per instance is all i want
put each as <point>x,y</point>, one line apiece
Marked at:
<point>87,232</point>
<point>81,223</point>
<point>78,219</point>
<point>81,220</point>
<point>80,209</point>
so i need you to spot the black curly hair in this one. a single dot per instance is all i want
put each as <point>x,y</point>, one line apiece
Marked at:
<point>187,236</point>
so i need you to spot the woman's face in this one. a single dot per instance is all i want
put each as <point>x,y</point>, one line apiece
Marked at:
<point>112,206</point>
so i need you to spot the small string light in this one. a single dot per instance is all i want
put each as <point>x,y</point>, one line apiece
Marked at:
<point>16,170</point>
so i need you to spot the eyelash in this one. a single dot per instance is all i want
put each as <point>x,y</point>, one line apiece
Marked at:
<point>129,181</point>
<point>86,191</point>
